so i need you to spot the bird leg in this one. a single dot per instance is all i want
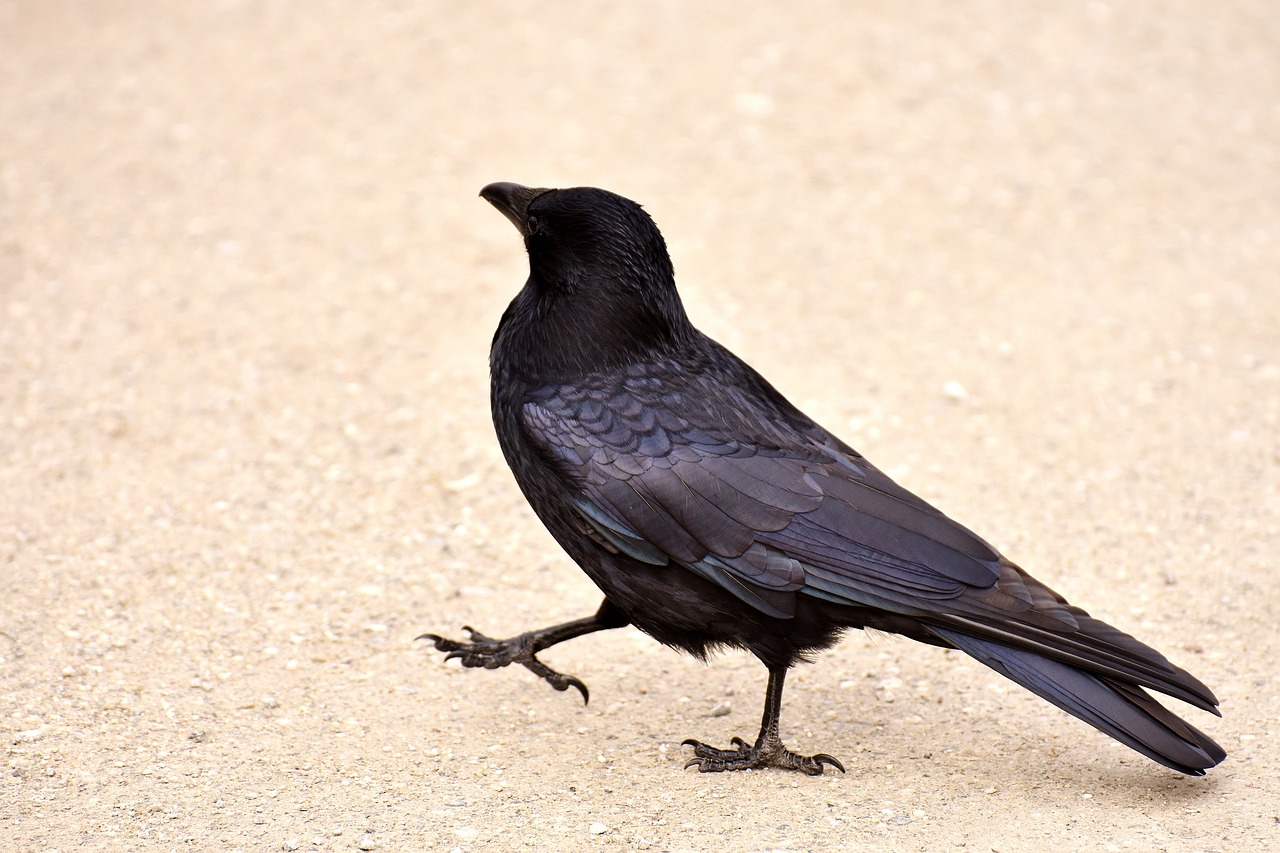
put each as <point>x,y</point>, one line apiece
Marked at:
<point>482,651</point>
<point>768,750</point>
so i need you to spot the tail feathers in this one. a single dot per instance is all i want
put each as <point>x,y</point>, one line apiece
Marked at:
<point>1100,648</point>
<point>1122,710</point>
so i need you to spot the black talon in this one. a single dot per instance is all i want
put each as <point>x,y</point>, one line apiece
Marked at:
<point>767,751</point>
<point>480,651</point>
<point>570,681</point>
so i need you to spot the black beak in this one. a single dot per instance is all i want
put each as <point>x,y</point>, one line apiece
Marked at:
<point>513,200</point>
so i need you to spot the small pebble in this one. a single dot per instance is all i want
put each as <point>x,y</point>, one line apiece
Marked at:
<point>721,709</point>
<point>598,828</point>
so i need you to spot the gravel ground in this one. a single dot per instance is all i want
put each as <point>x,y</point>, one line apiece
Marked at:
<point>1023,256</point>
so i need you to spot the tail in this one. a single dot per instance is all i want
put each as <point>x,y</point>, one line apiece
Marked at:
<point>1109,703</point>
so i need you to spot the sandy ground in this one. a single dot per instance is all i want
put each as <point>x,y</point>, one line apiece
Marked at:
<point>1026,261</point>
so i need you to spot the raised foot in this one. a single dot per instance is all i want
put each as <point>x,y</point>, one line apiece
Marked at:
<point>771,753</point>
<point>486,652</point>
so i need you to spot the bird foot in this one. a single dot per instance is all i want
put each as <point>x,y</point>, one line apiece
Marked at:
<point>486,652</point>
<point>767,752</point>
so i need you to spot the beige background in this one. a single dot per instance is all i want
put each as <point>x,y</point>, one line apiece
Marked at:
<point>1025,260</point>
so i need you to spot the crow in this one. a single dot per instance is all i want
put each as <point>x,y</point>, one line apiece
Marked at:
<point>713,513</point>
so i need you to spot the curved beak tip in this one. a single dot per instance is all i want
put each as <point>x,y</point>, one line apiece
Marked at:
<point>512,200</point>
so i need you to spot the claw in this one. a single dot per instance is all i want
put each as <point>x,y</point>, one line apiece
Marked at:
<point>486,652</point>
<point>571,681</point>
<point>439,642</point>
<point>767,752</point>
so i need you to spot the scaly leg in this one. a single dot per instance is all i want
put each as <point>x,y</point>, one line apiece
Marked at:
<point>768,750</point>
<point>482,651</point>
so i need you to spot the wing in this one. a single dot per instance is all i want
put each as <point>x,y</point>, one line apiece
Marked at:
<point>685,468</point>
<point>731,482</point>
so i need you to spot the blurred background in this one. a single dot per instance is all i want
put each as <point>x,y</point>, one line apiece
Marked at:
<point>1022,256</point>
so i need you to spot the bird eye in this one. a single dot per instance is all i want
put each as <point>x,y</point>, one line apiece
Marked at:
<point>532,225</point>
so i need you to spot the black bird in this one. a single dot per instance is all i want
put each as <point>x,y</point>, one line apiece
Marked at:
<point>711,512</point>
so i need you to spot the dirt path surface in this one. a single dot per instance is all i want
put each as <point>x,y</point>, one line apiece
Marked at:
<point>1025,260</point>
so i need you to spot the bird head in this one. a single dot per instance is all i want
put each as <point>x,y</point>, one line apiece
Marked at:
<point>598,269</point>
